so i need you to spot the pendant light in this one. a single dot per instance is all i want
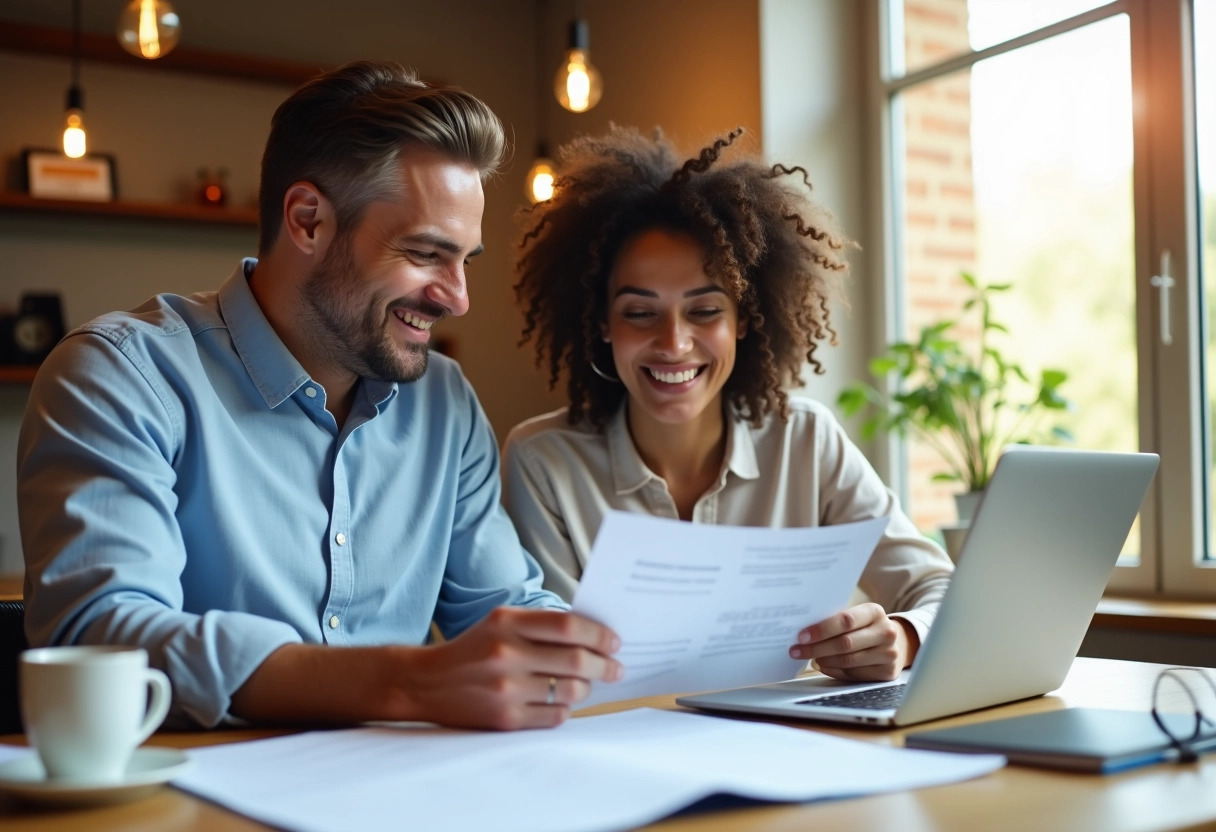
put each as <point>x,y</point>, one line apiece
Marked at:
<point>75,142</point>
<point>148,28</point>
<point>578,85</point>
<point>538,184</point>
<point>541,176</point>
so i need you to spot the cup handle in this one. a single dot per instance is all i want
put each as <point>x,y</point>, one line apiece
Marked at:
<point>158,706</point>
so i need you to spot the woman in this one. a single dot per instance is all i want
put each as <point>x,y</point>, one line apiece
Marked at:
<point>680,300</point>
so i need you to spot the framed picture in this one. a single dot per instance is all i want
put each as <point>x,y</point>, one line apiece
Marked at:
<point>51,175</point>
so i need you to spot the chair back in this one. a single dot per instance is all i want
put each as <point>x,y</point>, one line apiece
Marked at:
<point>12,642</point>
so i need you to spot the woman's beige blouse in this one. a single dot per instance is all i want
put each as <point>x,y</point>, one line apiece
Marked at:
<point>559,480</point>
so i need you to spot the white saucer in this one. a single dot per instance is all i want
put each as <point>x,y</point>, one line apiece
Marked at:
<point>149,768</point>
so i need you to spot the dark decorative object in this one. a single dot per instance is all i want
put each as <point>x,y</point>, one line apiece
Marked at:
<point>28,336</point>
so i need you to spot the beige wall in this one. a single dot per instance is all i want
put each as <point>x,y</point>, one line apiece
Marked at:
<point>814,115</point>
<point>692,66</point>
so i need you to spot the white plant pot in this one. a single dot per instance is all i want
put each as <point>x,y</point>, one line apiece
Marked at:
<point>953,537</point>
<point>966,505</point>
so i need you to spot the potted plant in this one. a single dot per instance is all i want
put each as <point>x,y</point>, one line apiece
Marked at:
<point>965,402</point>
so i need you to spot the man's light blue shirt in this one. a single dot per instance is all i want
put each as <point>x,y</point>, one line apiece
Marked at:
<point>182,487</point>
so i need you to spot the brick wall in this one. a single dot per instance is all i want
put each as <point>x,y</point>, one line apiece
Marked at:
<point>939,209</point>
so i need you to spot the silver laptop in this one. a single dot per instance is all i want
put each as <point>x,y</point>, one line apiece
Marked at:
<point>1030,574</point>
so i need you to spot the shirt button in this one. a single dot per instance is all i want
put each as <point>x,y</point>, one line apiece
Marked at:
<point>311,392</point>
<point>333,622</point>
<point>340,539</point>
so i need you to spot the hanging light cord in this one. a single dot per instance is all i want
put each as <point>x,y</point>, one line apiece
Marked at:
<point>538,70</point>
<point>75,43</point>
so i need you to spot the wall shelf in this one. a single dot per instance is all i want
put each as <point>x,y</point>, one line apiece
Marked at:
<point>58,42</point>
<point>17,374</point>
<point>12,201</point>
<point>42,40</point>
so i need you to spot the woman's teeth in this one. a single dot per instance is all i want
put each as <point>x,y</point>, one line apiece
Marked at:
<point>673,378</point>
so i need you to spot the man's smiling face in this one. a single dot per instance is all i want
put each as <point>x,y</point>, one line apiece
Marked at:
<point>381,287</point>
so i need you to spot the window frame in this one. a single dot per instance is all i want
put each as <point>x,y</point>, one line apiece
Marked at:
<point>1171,393</point>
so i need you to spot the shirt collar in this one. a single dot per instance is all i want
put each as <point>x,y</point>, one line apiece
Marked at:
<point>741,448</point>
<point>629,472</point>
<point>273,369</point>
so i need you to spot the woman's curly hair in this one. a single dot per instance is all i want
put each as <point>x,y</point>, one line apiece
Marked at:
<point>773,249</point>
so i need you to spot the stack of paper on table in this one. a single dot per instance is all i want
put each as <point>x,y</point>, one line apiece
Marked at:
<point>594,773</point>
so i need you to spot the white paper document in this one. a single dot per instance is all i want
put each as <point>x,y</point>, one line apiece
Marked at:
<point>592,774</point>
<point>701,607</point>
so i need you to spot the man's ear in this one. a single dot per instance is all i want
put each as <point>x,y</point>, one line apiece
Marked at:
<point>308,219</point>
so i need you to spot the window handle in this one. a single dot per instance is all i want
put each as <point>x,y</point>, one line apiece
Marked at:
<point>1164,282</point>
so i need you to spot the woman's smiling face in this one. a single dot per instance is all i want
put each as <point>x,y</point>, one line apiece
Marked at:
<point>672,328</point>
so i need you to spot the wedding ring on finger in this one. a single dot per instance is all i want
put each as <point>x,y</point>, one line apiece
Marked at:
<point>552,697</point>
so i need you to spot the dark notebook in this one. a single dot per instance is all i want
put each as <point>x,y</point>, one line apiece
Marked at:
<point>1082,739</point>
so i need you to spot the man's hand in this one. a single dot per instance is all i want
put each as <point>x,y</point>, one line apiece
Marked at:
<point>496,674</point>
<point>859,644</point>
<point>500,672</point>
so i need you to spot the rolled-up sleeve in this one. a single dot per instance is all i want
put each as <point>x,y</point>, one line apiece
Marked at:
<point>104,550</point>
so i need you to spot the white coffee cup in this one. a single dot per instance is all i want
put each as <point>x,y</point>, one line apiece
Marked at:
<point>86,709</point>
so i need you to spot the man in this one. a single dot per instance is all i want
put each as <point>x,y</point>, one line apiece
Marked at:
<point>272,487</point>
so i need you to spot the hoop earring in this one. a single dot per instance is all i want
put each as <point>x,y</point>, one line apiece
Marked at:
<point>604,375</point>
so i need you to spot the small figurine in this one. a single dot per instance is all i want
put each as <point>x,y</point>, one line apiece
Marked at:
<point>212,186</point>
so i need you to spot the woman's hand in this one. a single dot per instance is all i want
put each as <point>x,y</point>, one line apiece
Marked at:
<point>859,644</point>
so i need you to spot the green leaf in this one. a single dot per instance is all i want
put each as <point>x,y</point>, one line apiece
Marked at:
<point>882,365</point>
<point>851,400</point>
<point>933,332</point>
<point>1063,434</point>
<point>1054,378</point>
<point>1052,400</point>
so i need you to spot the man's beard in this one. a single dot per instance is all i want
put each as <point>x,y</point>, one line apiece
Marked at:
<point>357,340</point>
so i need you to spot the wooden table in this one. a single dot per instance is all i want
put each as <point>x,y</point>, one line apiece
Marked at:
<point>1167,796</point>
<point>11,587</point>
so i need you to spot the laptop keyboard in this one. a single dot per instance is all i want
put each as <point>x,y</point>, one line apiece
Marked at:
<point>871,699</point>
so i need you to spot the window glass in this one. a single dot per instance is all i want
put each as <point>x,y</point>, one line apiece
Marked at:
<point>962,26</point>
<point>1019,171</point>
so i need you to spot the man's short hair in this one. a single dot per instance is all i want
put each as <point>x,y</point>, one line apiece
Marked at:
<point>344,131</point>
